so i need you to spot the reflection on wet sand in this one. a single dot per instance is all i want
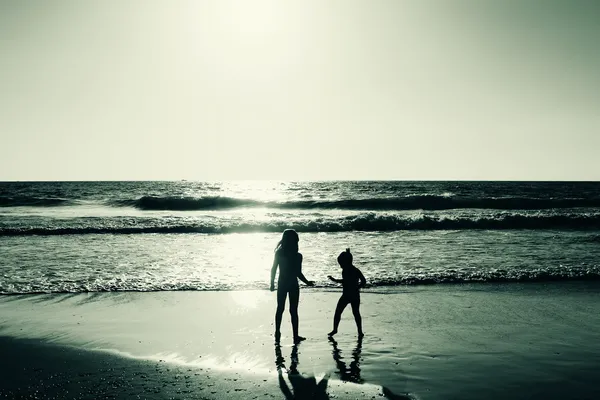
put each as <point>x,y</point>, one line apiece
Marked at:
<point>307,387</point>
<point>347,373</point>
<point>302,387</point>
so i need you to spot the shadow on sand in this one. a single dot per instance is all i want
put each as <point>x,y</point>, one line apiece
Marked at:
<point>307,387</point>
<point>302,387</point>
<point>351,373</point>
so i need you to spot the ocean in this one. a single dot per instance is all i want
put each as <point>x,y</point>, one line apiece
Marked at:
<point>72,237</point>
<point>160,289</point>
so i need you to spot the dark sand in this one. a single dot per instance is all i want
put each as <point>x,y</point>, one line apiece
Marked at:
<point>33,369</point>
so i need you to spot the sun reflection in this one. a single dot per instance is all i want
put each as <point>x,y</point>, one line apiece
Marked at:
<point>240,361</point>
<point>256,190</point>
<point>249,298</point>
<point>246,257</point>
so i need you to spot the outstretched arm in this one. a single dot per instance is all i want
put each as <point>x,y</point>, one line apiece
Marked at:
<point>273,272</point>
<point>301,275</point>
<point>363,281</point>
<point>331,278</point>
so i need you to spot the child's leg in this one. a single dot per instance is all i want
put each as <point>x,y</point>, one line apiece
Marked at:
<point>281,296</point>
<point>294,300</point>
<point>357,318</point>
<point>337,317</point>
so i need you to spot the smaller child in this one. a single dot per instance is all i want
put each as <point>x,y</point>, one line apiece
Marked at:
<point>351,294</point>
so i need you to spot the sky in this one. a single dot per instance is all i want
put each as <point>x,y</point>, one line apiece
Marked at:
<point>300,90</point>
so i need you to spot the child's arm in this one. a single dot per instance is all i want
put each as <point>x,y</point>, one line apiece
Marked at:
<point>363,281</point>
<point>301,275</point>
<point>331,278</point>
<point>273,272</point>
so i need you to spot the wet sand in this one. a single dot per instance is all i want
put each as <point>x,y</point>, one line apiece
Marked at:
<point>513,341</point>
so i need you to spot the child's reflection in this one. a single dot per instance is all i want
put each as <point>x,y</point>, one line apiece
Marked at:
<point>303,387</point>
<point>348,373</point>
<point>280,361</point>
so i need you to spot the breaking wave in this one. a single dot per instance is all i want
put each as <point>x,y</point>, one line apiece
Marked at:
<point>553,275</point>
<point>368,222</point>
<point>27,201</point>
<point>414,202</point>
<point>421,202</point>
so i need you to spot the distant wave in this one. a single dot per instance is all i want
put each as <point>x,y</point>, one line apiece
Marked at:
<point>592,275</point>
<point>416,202</point>
<point>420,202</point>
<point>369,222</point>
<point>26,201</point>
<point>186,203</point>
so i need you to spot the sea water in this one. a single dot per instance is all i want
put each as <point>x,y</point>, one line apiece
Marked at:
<point>152,236</point>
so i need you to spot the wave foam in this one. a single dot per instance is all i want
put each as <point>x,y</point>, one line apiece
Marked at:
<point>552,275</point>
<point>368,222</point>
<point>417,202</point>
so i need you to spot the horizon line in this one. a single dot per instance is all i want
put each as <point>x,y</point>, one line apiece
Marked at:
<point>304,180</point>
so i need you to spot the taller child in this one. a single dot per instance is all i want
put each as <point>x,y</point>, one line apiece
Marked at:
<point>289,261</point>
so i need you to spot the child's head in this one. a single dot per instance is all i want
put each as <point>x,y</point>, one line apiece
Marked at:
<point>289,241</point>
<point>345,258</point>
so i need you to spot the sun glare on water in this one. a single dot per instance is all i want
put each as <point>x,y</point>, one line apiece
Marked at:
<point>256,190</point>
<point>247,257</point>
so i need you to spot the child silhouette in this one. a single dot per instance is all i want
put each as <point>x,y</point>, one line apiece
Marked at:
<point>289,261</point>
<point>352,280</point>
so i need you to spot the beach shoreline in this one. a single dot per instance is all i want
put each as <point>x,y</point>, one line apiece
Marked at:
<point>431,342</point>
<point>42,370</point>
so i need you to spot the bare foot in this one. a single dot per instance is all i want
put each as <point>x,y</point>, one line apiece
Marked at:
<point>298,339</point>
<point>333,332</point>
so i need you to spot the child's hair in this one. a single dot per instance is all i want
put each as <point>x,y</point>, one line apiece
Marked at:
<point>289,242</point>
<point>345,257</point>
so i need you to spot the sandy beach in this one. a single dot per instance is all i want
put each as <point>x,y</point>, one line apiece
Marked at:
<point>432,342</point>
<point>165,164</point>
